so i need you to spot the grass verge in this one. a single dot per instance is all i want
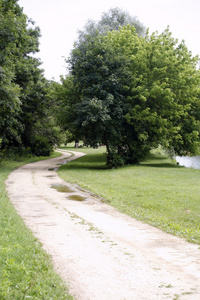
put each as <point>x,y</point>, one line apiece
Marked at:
<point>26,271</point>
<point>157,191</point>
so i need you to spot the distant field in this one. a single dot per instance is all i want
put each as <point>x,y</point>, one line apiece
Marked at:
<point>156,191</point>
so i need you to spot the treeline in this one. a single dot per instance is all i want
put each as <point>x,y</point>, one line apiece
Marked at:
<point>131,91</point>
<point>126,89</point>
<point>26,121</point>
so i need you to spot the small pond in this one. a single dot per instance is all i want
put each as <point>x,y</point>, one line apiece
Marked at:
<point>189,162</point>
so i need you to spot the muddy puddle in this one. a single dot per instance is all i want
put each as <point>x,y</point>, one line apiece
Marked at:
<point>65,189</point>
<point>62,188</point>
<point>76,198</point>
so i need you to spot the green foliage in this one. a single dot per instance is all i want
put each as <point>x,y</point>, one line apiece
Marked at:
<point>25,106</point>
<point>33,96</point>
<point>112,20</point>
<point>41,146</point>
<point>66,98</point>
<point>165,94</point>
<point>15,153</point>
<point>116,18</point>
<point>134,93</point>
<point>69,94</point>
<point>115,160</point>
<point>10,127</point>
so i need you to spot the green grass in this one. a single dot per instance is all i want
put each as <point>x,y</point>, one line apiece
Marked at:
<point>26,271</point>
<point>156,191</point>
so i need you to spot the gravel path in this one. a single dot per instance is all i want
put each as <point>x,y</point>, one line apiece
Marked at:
<point>101,253</point>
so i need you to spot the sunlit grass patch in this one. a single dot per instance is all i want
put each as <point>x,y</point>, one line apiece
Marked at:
<point>157,191</point>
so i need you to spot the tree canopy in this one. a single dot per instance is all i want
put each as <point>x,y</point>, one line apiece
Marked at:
<point>135,93</point>
<point>110,21</point>
<point>126,89</point>
<point>23,88</point>
<point>11,24</point>
<point>69,91</point>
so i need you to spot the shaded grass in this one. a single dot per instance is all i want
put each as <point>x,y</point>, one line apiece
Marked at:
<point>26,271</point>
<point>156,191</point>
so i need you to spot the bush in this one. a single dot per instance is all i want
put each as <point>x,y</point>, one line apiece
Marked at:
<point>41,146</point>
<point>115,160</point>
<point>15,153</point>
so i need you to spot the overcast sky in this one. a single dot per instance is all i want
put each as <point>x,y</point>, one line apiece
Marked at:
<point>59,21</point>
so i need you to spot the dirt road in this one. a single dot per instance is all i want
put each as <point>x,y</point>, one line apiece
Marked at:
<point>99,252</point>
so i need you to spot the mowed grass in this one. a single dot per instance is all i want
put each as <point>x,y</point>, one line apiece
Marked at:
<point>157,191</point>
<point>26,271</point>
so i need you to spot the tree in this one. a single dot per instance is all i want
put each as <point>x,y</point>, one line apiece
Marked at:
<point>110,21</point>
<point>11,34</point>
<point>165,95</point>
<point>69,92</point>
<point>136,93</point>
<point>116,18</point>
<point>65,97</point>
<point>23,88</point>
<point>10,127</point>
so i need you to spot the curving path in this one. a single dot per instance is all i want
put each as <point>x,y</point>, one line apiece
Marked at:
<point>99,252</point>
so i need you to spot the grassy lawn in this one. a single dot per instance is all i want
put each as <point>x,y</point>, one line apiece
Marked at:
<point>25,269</point>
<point>157,191</point>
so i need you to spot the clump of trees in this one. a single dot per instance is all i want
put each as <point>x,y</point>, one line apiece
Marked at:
<point>131,91</point>
<point>127,89</point>
<point>25,117</point>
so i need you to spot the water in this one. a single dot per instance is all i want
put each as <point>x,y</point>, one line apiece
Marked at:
<point>189,162</point>
<point>76,198</point>
<point>61,188</point>
<point>65,189</point>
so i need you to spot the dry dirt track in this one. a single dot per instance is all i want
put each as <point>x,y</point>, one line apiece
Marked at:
<point>100,253</point>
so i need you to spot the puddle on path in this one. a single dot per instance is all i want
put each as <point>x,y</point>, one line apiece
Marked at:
<point>62,188</point>
<point>76,198</point>
<point>65,189</point>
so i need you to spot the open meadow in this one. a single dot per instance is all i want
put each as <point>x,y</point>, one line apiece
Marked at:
<point>157,191</point>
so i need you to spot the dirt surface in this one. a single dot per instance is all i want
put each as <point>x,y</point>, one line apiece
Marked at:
<point>99,252</point>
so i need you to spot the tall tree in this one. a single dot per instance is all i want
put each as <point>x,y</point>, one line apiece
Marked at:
<point>67,97</point>
<point>165,94</point>
<point>135,93</point>
<point>116,18</point>
<point>110,21</point>
<point>11,35</point>
<point>23,88</point>
<point>70,91</point>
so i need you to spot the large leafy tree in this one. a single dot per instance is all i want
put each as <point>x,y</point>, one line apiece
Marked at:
<point>23,89</point>
<point>69,92</point>
<point>116,18</point>
<point>112,20</point>
<point>135,93</point>
<point>67,97</point>
<point>11,35</point>
<point>164,94</point>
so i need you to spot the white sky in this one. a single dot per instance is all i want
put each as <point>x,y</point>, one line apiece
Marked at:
<point>59,21</point>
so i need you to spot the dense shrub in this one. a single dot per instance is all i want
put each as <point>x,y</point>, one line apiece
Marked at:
<point>41,146</point>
